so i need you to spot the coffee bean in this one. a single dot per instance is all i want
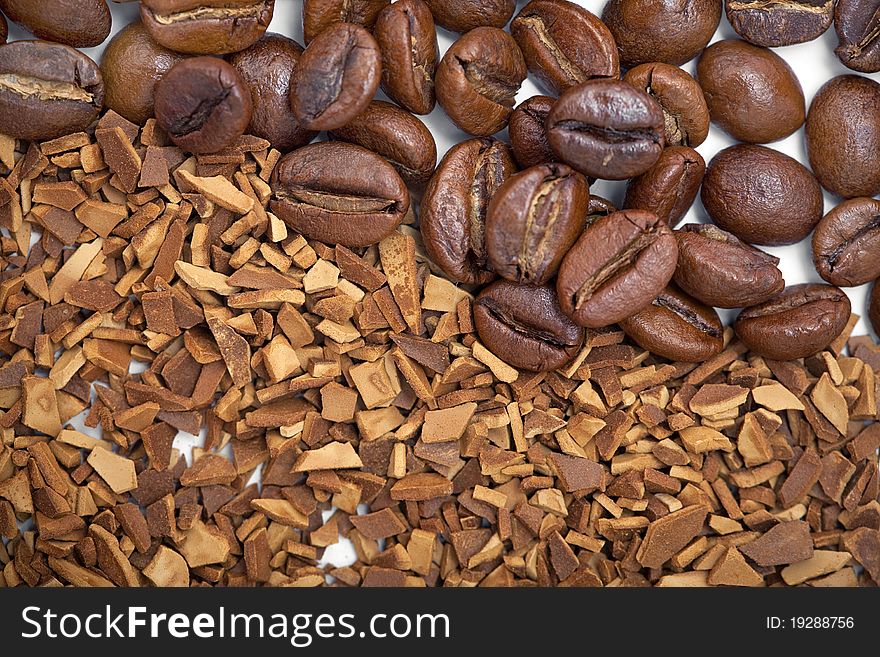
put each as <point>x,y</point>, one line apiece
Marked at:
<point>857,23</point>
<point>751,92</point>
<point>523,325</point>
<point>874,308</point>
<point>774,24</point>
<point>453,210</point>
<point>76,23</point>
<point>670,31</point>
<point>564,44</point>
<point>843,136</point>
<point>478,79</point>
<point>678,327</point>
<point>339,193</point>
<point>203,104</point>
<point>684,108</point>
<point>533,220</point>
<point>846,243</point>
<point>336,77</point>
<point>606,129</point>
<point>465,15</point>
<point>616,268</point>
<point>762,196</point>
<point>597,208</point>
<point>799,322</point>
<point>207,27</point>
<point>267,67</point>
<point>528,134</point>
<point>47,90</point>
<point>717,268</point>
<point>407,38</point>
<point>670,186</point>
<point>318,15</point>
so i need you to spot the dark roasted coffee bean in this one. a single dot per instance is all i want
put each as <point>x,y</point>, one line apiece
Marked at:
<point>318,15</point>
<point>677,327</point>
<point>762,196</point>
<point>336,77</point>
<point>799,322</point>
<point>407,38</point>
<point>339,193</point>
<point>207,27</point>
<point>564,44</point>
<point>524,327</point>
<point>606,129</point>
<point>617,267</point>
<point>669,187</point>
<point>717,268</point>
<point>670,31</point>
<point>772,23</point>
<point>478,79</point>
<point>528,133</point>
<point>47,90</point>
<point>533,220</point>
<point>843,136</point>
<point>857,23</point>
<point>77,23</point>
<point>597,208</point>
<point>465,15</point>
<point>846,243</point>
<point>267,67</point>
<point>203,104</point>
<point>681,98</point>
<point>453,210</point>
<point>751,92</point>
<point>874,308</point>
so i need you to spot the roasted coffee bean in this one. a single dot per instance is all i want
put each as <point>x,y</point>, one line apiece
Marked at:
<point>616,268</point>
<point>857,23</point>
<point>799,322</point>
<point>47,90</point>
<point>266,68</point>
<point>669,187</point>
<point>533,220</point>
<point>843,136</point>
<point>203,104</point>
<point>528,133</point>
<point>681,98</point>
<point>772,23</point>
<point>524,327</point>
<point>465,15</point>
<point>131,65</point>
<point>762,196</point>
<point>874,308</point>
<point>717,268</point>
<point>453,210</point>
<point>318,15</point>
<point>478,79</point>
<point>396,135</point>
<point>407,39</point>
<point>339,193</point>
<point>670,31</point>
<point>751,92</point>
<point>606,129</point>
<point>678,327</point>
<point>76,23</point>
<point>564,44</point>
<point>597,208</point>
<point>846,243</point>
<point>207,27</point>
<point>336,77</point>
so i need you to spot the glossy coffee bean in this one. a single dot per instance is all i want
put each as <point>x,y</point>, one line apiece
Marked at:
<point>528,134</point>
<point>606,129</point>
<point>207,27</point>
<point>843,136</point>
<point>597,208</point>
<point>564,44</point>
<point>338,193</point>
<point>678,327</point>
<point>799,322</point>
<point>76,23</point>
<point>533,220</point>
<point>777,24</point>
<point>47,90</point>
<point>670,31</point>
<point>874,308</point>
<point>453,210</point>
<point>856,23</point>
<point>407,39</point>
<point>846,243</point>
<point>762,196</point>
<point>465,15</point>
<point>478,79</point>
<point>616,268</point>
<point>203,104</point>
<point>720,270</point>
<point>685,113</point>
<point>670,186</point>
<point>318,15</point>
<point>524,327</point>
<point>336,77</point>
